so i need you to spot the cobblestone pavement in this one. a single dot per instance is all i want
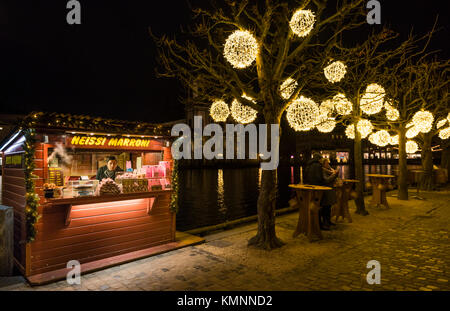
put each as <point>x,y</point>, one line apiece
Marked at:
<point>410,241</point>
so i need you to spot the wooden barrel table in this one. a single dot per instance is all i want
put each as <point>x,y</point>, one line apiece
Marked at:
<point>340,209</point>
<point>380,184</point>
<point>309,197</point>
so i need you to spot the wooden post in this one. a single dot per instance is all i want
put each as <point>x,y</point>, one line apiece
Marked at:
<point>6,240</point>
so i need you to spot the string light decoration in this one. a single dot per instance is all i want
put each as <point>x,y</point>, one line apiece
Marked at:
<point>335,72</point>
<point>219,111</point>
<point>243,114</point>
<point>373,138</point>
<point>342,105</point>
<point>412,132</point>
<point>423,121</point>
<point>241,49</point>
<point>350,131</point>
<point>394,140</point>
<point>325,125</point>
<point>411,146</point>
<point>326,107</point>
<point>302,22</point>
<point>303,114</point>
<point>441,123</point>
<point>364,127</point>
<point>288,87</point>
<point>444,133</point>
<point>392,114</point>
<point>448,117</point>
<point>382,138</point>
<point>372,100</point>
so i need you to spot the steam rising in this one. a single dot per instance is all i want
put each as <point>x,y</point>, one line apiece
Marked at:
<point>60,152</point>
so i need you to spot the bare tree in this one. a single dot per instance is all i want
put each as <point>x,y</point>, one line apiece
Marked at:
<point>432,90</point>
<point>198,61</point>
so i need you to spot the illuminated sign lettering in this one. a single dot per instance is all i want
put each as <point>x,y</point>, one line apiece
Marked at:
<point>100,141</point>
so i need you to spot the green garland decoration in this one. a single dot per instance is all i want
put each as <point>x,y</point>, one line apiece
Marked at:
<point>32,198</point>
<point>175,188</point>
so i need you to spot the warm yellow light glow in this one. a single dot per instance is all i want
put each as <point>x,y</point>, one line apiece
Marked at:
<point>411,146</point>
<point>335,72</point>
<point>441,123</point>
<point>302,22</point>
<point>241,113</point>
<point>444,133</point>
<point>373,138</point>
<point>448,117</point>
<point>241,49</point>
<point>303,114</point>
<point>394,140</point>
<point>342,105</point>
<point>423,121</point>
<point>392,114</point>
<point>372,100</point>
<point>326,125</point>
<point>412,132</point>
<point>219,111</point>
<point>326,107</point>
<point>364,127</point>
<point>350,131</point>
<point>288,87</point>
<point>380,138</point>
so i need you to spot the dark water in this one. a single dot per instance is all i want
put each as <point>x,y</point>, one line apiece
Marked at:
<point>213,196</point>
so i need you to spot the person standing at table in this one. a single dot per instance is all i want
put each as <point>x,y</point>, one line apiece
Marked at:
<point>329,198</point>
<point>314,175</point>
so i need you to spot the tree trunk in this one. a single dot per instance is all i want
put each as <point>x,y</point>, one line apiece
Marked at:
<point>402,180</point>
<point>359,175</point>
<point>266,237</point>
<point>445,158</point>
<point>427,182</point>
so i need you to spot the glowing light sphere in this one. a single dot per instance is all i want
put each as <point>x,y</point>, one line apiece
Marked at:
<point>423,121</point>
<point>303,114</point>
<point>373,138</point>
<point>241,49</point>
<point>441,123</point>
<point>350,131</point>
<point>326,107</point>
<point>372,100</point>
<point>342,105</point>
<point>241,113</point>
<point>411,146</point>
<point>335,72</point>
<point>302,22</point>
<point>444,133</point>
<point>392,114</point>
<point>288,87</point>
<point>382,138</point>
<point>364,127</point>
<point>219,111</point>
<point>448,117</point>
<point>412,132</point>
<point>325,125</point>
<point>394,140</point>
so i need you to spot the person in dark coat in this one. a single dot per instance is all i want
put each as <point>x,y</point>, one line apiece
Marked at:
<point>329,198</point>
<point>109,170</point>
<point>314,175</point>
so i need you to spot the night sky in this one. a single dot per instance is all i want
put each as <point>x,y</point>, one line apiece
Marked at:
<point>106,65</point>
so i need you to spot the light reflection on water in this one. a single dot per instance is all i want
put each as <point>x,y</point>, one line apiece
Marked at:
<point>213,196</point>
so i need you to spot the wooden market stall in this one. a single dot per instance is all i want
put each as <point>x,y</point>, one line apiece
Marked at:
<point>77,221</point>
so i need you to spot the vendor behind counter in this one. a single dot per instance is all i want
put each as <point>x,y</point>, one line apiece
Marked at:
<point>109,170</point>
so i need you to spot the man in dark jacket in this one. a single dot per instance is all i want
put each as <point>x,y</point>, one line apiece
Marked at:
<point>109,170</point>
<point>314,175</point>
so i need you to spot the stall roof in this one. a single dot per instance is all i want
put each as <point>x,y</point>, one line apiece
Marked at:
<point>85,123</point>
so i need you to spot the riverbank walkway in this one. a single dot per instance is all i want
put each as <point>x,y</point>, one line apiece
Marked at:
<point>410,241</point>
